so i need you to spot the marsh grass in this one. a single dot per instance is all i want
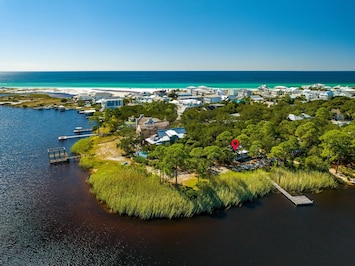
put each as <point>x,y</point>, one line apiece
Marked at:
<point>37,100</point>
<point>131,190</point>
<point>303,181</point>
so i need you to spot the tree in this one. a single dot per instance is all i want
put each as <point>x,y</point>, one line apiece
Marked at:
<point>286,129</point>
<point>174,158</point>
<point>129,140</point>
<point>224,139</point>
<point>323,113</point>
<point>265,133</point>
<point>336,146</point>
<point>96,119</point>
<point>214,153</point>
<point>199,162</point>
<point>158,154</point>
<point>314,162</point>
<point>255,148</point>
<point>244,141</point>
<point>285,151</point>
<point>307,134</point>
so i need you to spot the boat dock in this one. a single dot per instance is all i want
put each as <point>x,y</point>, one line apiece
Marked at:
<point>76,136</point>
<point>297,200</point>
<point>60,155</point>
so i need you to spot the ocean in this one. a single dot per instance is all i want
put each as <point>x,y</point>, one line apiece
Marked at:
<point>174,79</point>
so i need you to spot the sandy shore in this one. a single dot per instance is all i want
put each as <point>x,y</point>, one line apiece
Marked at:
<point>74,91</point>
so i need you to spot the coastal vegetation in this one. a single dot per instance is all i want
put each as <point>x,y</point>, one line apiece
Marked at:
<point>302,181</point>
<point>34,100</point>
<point>296,154</point>
<point>132,190</point>
<point>299,154</point>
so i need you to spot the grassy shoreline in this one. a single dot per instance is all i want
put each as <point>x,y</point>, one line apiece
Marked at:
<point>132,190</point>
<point>34,100</point>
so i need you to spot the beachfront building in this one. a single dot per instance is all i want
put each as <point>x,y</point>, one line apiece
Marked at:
<point>111,103</point>
<point>82,97</point>
<point>344,91</point>
<point>100,95</point>
<point>148,126</point>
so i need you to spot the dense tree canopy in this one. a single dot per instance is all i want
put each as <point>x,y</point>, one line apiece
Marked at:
<point>263,130</point>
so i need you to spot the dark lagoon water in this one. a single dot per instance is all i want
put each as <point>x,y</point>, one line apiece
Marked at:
<point>48,216</point>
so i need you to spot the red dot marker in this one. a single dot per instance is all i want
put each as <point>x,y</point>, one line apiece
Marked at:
<point>235,144</point>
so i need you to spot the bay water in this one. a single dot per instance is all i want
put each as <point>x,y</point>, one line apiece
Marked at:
<point>49,217</point>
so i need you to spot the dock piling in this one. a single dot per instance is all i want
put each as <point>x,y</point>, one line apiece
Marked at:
<point>60,155</point>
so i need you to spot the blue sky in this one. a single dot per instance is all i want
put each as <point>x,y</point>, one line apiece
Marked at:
<point>177,35</point>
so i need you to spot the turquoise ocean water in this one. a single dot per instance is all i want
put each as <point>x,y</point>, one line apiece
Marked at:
<point>174,79</point>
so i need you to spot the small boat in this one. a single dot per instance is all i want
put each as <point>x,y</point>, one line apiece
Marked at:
<point>79,130</point>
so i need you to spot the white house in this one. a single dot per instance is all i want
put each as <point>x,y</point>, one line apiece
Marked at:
<point>326,95</point>
<point>111,103</point>
<point>82,97</point>
<point>166,135</point>
<point>212,99</point>
<point>345,91</point>
<point>100,95</point>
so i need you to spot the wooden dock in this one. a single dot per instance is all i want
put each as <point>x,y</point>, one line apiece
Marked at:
<point>297,200</point>
<point>75,136</point>
<point>60,155</point>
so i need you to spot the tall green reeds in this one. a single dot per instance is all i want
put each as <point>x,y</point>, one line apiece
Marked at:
<point>300,181</point>
<point>132,191</point>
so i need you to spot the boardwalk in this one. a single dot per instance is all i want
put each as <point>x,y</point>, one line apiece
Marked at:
<point>297,200</point>
<point>75,136</point>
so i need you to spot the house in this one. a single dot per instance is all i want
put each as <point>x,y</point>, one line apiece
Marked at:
<point>257,98</point>
<point>100,95</point>
<point>111,103</point>
<point>244,93</point>
<point>148,126</point>
<point>212,99</point>
<point>345,91</point>
<point>82,97</point>
<point>166,136</point>
<point>326,95</point>
<point>293,117</point>
<point>242,155</point>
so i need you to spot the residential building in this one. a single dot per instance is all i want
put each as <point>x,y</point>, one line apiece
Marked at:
<point>212,99</point>
<point>166,136</point>
<point>111,103</point>
<point>148,126</point>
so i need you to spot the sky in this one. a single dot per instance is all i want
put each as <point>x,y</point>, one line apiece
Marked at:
<point>58,35</point>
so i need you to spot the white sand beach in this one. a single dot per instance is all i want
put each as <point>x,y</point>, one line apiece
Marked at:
<point>117,92</point>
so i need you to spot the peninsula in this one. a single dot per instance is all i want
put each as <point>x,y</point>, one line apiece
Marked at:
<point>168,153</point>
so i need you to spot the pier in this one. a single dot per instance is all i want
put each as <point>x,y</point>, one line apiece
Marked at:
<point>297,200</point>
<point>76,136</point>
<point>60,155</point>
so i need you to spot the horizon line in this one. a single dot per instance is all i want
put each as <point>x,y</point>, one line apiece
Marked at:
<point>177,70</point>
